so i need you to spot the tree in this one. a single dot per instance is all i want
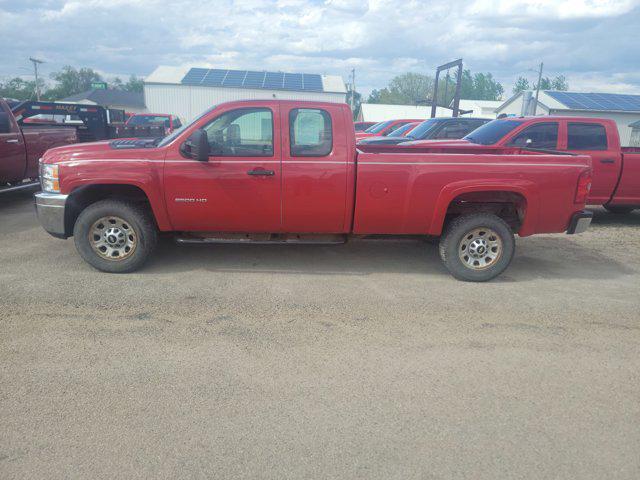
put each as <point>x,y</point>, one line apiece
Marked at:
<point>357,100</point>
<point>556,83</point>
<point>19,89</point>
<point>560,83</point>
<point>134,84</point>
<point>414,88</point>
<point>70,81</point>
<point>405,89</point>
<point>521,85</point>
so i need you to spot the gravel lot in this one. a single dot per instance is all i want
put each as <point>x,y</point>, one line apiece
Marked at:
<point>359,361</point>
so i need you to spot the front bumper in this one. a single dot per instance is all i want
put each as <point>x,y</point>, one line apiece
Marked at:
<point>580,221</point>
<point>50,208</point>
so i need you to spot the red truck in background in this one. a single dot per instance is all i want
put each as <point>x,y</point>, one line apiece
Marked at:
<point>289,172</point>
<point>28,129</point>
<point>384,128</point>
<point>616,169</point>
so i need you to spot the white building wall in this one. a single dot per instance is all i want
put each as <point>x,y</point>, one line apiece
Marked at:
<point>187,102</point>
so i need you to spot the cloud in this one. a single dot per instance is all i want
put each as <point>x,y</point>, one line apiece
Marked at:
<point>589,41</point>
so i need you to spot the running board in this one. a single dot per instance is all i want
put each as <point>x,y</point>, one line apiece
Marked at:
<point>265,238</point>
<point>24,186</point>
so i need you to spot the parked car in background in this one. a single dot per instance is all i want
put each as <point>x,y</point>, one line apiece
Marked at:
<point>288,172</point>
<point>384,128</point>
<point>23,142</point>
<point>362,126</point>
<point>616,169</point>
<point>434,128</point>
<point>142,121</point>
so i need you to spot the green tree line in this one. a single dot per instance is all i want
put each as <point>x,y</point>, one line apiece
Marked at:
<point>415,89</point>
<point>66,82</point>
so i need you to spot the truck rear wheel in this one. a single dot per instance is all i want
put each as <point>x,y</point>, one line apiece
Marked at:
<point>115,236</point>
<point>477,247</point>
<point>618,209</point>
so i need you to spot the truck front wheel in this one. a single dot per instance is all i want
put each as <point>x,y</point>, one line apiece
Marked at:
<point>477,247</point>
<point>115,236</point>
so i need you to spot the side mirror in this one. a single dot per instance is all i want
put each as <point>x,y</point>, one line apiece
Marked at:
<point>528,142</point>
<point>198,144</point>
<point>5,124</point>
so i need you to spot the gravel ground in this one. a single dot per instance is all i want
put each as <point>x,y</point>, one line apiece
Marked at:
<point>359,361</point>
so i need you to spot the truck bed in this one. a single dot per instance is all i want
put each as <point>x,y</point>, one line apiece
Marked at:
<point>396,191</point>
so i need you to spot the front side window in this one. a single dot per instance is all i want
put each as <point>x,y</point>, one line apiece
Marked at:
<point>310,132</point>
<point>586,136</point>
<point>245,132</point>
<point>542,135</point>
<point>452,130</point>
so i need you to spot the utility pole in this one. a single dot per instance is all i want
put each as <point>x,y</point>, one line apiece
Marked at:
<point>36,62</point>
<point>535,105</point>
<point>353,89</point>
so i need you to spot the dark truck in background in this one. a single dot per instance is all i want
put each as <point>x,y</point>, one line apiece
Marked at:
<point>28,129</point>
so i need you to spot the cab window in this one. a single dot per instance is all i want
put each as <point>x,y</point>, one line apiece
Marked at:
<point>245,132</point>
<point>310,133</point>
<point>541,135</point>
<point>586,136</point>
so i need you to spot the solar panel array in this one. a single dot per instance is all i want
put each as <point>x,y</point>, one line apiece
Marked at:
<point>598,101</point>
<point>213,77</point>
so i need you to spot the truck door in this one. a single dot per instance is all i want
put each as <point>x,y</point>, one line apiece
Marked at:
<point>316,169</point>
<point>12,150</point>
<point>238,189</point>
<point>591,139</point>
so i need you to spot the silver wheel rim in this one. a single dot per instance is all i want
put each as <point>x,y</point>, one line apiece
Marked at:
<point>112,238</point>
<point>480,248</point>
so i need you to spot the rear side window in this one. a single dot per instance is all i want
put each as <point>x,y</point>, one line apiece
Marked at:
<point>586,136</point>
<point>310,133</point>
<point>542,135</point>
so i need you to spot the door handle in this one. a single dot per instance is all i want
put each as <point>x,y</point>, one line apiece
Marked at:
<point>607,160</point>
<point>264,173</point>
<point>15,140</point>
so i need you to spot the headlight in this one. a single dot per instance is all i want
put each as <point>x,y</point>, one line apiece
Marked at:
<point>49,179</point>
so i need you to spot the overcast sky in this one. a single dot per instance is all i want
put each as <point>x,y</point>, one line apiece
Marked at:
<point>594,43</point>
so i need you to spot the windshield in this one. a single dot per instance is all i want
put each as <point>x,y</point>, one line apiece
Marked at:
<point>399,132</point>
<point>491,132</point>
<point>176,133</point>
<point>421,130</point>
<point>147,119</point>
<point>378,127</point>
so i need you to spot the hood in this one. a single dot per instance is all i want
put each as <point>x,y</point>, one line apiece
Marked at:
<point>437,143</point>
<point>120,148</point>
<point>382,140</point>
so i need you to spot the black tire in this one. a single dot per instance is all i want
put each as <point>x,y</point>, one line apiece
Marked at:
<point>460,230</point>
<point>618,209</point>
<point>137,218</point>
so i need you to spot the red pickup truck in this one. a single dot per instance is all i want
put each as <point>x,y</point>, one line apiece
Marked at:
<point>20,148</point>
<point>616,169</point>
<point>288,171</point>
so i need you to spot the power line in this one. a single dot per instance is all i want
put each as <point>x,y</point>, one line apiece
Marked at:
<point>36,62</point>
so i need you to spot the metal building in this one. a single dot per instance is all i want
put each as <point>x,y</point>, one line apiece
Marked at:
<point>623,109</point>
<point>187,92</point>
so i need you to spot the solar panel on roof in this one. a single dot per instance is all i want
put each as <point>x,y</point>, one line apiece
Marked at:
<point>312,82</point>
<point>213,77</point>
<point>254,79</point>
<point>234,78</point>
<point>293,81</point>
<point>597,101</point>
